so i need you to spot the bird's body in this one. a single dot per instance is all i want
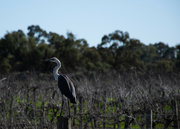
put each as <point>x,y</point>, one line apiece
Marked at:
<point>65,85</point>
<point>67,88</point>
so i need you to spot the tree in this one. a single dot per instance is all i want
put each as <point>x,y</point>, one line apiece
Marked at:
<point>111,47</point>
<point>14,47</point>
<point>178,57</point>
<point>164,51</point>
<point>123,53</point>
<point>92,59</point>
<point>69,50</point>
<point>37,33</point>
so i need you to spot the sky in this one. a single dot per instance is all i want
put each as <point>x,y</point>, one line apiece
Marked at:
<point>150,21</point>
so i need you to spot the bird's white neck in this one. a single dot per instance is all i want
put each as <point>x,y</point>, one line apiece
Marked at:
<point>55,70</point>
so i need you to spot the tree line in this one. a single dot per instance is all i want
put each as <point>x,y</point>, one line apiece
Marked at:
<point>117,51</point>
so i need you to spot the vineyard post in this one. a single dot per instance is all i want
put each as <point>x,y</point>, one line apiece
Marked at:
<point>148,119</point>
<point>93,104</point>
<point>95,126</point>
<point>114,123</point>
<point>127,121</point>
<point>104,110</point>
<point>81,112</point>
<point>149,112</point>
<point>10,112</point>
<point>42,115</point>
<point>63,123</point>
<point>34,99</point>
<point>175,112</point>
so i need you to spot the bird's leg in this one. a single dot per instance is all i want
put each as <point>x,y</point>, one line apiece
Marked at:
<point>62,105</point>
<point>69,108</point>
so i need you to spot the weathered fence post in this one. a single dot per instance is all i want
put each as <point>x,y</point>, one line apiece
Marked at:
<point>63,123</point>
<point>81,112</point>
<point>11,112</point>
<point>148,119</point>
<point>104,110</point>
<point>95,124</point>
<point>149,111</point>
<point>127,120</point>
<point>175,112</point>
<point>42,116</point>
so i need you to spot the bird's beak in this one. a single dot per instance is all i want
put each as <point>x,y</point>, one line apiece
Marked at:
<point>47,60</point>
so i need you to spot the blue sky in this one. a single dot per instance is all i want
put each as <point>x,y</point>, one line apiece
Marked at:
<point>150,21</point>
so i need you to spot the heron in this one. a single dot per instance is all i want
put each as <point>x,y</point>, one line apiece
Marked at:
<point>65,85</point>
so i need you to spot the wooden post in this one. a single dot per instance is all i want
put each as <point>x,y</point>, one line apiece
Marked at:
<point>63,123</point>
<point>175,112</point>
<point>115,119</point>
<point>81,112</point>
<point>148,119</point>
<point>42,116</point>
<point>10,112</point>
<point>149,111</point>
<point>127,120</point>
<point>104,110</point>
<point>95,124</point>
<point>114,123</point>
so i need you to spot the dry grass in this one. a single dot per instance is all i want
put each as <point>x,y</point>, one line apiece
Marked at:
<point>31,100</point>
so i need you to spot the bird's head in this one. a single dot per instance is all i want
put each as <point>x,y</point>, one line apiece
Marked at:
<point>53,59</point>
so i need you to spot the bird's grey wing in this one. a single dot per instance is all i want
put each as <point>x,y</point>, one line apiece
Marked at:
<point>71,85</point>
<point>72,89</point>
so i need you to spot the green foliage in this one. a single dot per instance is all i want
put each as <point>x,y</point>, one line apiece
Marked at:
<point>117,51</point>
<point>167,108</point>
<point>159,126</point>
